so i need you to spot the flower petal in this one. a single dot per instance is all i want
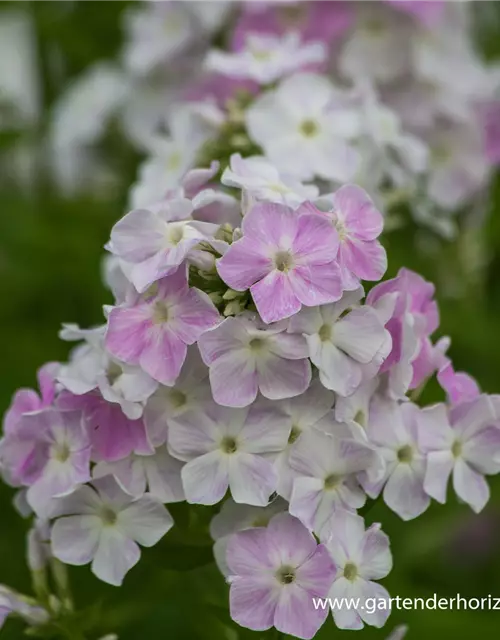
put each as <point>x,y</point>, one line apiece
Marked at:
<point>146,521</point>
<point>115,556</point>
<point>163,355</point>
<point>205,479</point>
<point>274,297</point>
<point>367,260</point>
<point>317,241</point>
<point>437,474</point>
<point>244,263</point>
<point>279,378</point>
<point>316,284</point>
<point>75,538</point>
<point>252,603</point>
<point>470,486</point>
<point>357,212</point>
<point>252,479</point>
<point>233,379</point>
<point>404,492</point>
<point>296,615</point>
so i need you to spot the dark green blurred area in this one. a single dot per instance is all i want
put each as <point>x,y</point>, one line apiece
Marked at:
<point>50,256</point>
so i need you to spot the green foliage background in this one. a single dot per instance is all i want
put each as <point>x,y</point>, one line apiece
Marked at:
<point>50,253</point>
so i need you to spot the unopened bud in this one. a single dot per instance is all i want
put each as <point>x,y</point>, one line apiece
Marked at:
<point>215,297</point>
<point>231,294</point>
<point>232,308</point>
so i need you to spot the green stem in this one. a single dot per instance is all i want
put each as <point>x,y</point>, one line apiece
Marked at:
<point>61,581</point>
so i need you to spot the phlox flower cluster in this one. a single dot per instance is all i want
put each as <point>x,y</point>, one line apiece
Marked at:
<point>254,360</point>
<point>243,365</point>
<point>390,95</point>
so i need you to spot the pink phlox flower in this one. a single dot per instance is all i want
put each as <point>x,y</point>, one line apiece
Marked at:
<point>463,443</point>
<point>155,333</point>
<point>358,224</point>
<point>275,574</point>
<point>286,258</point>
<point>246,356</point>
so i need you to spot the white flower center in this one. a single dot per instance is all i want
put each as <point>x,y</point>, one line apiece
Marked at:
<point>294,434</point>
<point>174,233</point>
<point>341,229</point>
<point>177,398</point>
<point>332,482</point>
<point>261,55</point>
<point>160,312</point>
<point>440,155</point>
<point>279,187</point>
<point>285,575</point>
<point>229,445</point>
<point>283,261</point>
<point>374,27</point>
<point>405,454</point>
<point>309,128</point>
<point>350,571</point>
<point>456,449</point>
<point>108,516</point>
<point>257,344</point>
<point>360,418</point>
<point>60,451</point>
<point>325,332</point>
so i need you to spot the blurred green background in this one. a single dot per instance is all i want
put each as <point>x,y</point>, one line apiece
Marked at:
<point>50,258</point>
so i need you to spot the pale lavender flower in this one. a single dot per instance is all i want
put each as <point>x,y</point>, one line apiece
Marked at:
<point>459,168</point>
<point>171,156</point>
<point>159,474</point>
<point>266,58</point>
<point>325,465</point>
<point>245,356</point>
<point>389,153</point>
<point>360,557</point>
<point>276,572</point>
<point>190,392</point>
<point>393,430</point>
<point>305,411</point>
<point>414,318</point>
<point>356,407</point>
<point>14,603</point>
<point>102,524</point>
<point>260,180</point>
<point>286,258</point>
<point>379,46</point>
<point>112,434</point>
<point>92,368</point>
<point>87,360</point>
<point>229,448</point>
<point>156,34</point>
<point>155,333</point>
<point>49,452</point>
<point>234,517</point>
<point>126,386</point>
<point>341,344</point>
<point>463,443</point>
<point>358,223</point>
<point>28,401</point>
<point>306,129</point>
<point>153,242</point>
